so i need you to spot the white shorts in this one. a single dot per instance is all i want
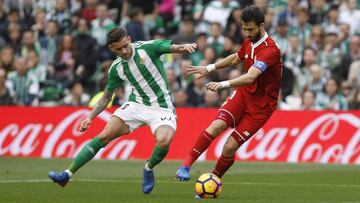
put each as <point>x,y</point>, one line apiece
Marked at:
<point>136,115</point>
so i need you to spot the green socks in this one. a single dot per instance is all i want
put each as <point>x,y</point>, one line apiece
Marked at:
<point>157,156</point>
<point>86,154</point>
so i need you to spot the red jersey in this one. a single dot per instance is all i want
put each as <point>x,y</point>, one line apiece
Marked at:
<point>264,55</point>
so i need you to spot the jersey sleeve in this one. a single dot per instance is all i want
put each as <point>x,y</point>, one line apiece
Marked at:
<point>266,58</point>
<point>113,80</point>
<point>162,46</point>
<point>241,53</point>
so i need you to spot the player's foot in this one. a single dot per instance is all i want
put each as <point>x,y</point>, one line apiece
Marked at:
<point>61,178</point>
<point>183,173</point>
<point>197,197</point>
<point>148,181</point>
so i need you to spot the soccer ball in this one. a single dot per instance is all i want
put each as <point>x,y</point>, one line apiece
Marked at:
<point>208,186</point>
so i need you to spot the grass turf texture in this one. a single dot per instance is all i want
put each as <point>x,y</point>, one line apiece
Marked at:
<point>25,180</point>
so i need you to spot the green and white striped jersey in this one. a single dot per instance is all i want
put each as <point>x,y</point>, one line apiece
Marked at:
<point>145,73</point>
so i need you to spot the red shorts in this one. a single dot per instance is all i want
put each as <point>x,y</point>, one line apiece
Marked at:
<point>237,114</point>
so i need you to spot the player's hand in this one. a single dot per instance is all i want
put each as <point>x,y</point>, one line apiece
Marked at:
<point>200,71</point>
<point>213,86</point>
<point>190,48</point>
<point>85,124</point>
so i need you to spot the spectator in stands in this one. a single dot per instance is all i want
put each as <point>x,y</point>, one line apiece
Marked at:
<point>86,57</point>
<point>89,10</point>
<point>182,79</point>
<point>331,22</point>
<point>281,36</point>
<point>293,54</point>
<point>13,17</point>
<point>135,27</point>
<point>39,27</point>
<point>187,31</point>
<point>198,55</point>
<point>65,60</point>
<point>355,103</point>
<point>303,28</point>
<point>303,77</point>
<point>317,11</point>
<point>14,37</point>
<point>353,55</point>
<point>351,15</point>
<point>181,98</point>
<point>233,26</point>
<point>219,11</point>
<point>29,43</point>
<point>102,24</point>
<point>2,19</point>
<point>49,43</point>
<point>344,43</point>
<point>228,47</point>
<point>316,38</point>
<point>6,93</point>
<point>196,91</point>
<point>330,57</point>
<point>62,16</point>
<point>289,14</point>
<point>24,83</point>
<point>354,72</point>
<point>35,67</point>
<point>331,99</point>
<point>76,95</point>
<point>167,10</point>
<point>211,100</point>
<point>216,39</point>
<point>7,58</point>
<point>346,89</point>
<point>317,79</point>
<point>308,101</point>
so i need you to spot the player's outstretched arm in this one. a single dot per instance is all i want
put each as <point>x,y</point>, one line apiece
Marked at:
<point>98,108</point>
<point>242,80</point>
<point>203,71</point>
<point>183,48</point>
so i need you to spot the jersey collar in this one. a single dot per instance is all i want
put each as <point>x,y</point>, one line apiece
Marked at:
<point>253,46</point>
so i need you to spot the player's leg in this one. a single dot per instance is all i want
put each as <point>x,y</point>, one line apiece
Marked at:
<point>201,144</point>
<point>163,136</point>
<point>114,128</point>
<point>246,128</point>
<point>163,126</point>
<point>227,116</point>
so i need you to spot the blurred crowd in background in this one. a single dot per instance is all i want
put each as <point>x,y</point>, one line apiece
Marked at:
<point>52,52</point>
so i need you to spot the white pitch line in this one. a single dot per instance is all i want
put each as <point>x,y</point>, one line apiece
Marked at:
<point>162,181</point>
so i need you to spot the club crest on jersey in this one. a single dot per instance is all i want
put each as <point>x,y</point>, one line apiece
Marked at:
<point>141,61</point>
<point>246,56</point>
<point>246,133</point>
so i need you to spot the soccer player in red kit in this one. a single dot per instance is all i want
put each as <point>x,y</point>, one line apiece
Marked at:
<point>253,101</point>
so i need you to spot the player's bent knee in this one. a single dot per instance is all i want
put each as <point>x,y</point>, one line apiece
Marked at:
<point>163,141</point>
<point>104,138</point>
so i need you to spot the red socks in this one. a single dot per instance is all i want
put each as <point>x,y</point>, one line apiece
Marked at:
<point>223,164</point>
<point>201,144</point>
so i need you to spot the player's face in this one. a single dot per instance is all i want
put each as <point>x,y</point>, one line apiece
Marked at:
<point>122,48</point>
<point>251,30</point>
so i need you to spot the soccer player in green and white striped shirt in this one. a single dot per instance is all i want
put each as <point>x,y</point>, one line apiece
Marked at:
<point>150,102</point>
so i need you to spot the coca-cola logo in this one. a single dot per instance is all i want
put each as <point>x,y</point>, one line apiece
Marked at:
<point>322,137</point>
<point>330,138</point>
<point>58,140</point>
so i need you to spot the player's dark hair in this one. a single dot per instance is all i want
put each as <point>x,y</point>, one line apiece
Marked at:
<point>253,13</point>
<point>115,35</point>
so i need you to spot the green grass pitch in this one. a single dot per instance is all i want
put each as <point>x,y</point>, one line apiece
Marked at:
<point>25,180</point>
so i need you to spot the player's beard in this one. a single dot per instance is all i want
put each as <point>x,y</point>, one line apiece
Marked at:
<point>256,37</point>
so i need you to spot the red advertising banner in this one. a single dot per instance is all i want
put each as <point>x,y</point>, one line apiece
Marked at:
<point>291,136</point>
